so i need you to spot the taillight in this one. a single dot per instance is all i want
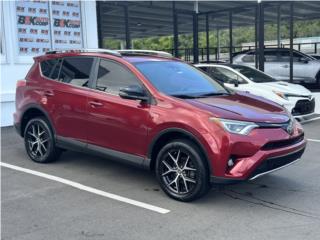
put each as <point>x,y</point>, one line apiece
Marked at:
<point>21,83</point>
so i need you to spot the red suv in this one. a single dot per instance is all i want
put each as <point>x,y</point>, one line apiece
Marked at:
<point>155,112</point>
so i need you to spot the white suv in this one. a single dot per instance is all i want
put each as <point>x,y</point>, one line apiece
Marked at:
<point>305,68</point>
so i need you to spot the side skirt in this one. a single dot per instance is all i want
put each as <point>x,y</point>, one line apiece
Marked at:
<point>75,145</point>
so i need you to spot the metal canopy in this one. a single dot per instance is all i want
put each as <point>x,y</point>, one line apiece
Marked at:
<point>155,18</point>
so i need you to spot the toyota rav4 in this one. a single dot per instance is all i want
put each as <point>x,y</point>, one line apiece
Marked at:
<point>156,112</point>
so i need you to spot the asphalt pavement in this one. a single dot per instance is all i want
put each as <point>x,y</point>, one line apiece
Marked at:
<point>282,205</point>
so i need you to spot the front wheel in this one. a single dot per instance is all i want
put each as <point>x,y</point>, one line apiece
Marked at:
<point>39,141</point>
<point>181,171</point>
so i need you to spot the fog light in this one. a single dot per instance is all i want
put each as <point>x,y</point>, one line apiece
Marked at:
<point>230,162</point>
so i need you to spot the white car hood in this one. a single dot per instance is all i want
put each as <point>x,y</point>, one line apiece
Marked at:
<point>285,87</point>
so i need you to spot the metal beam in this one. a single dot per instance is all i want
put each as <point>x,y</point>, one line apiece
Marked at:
<point>207,38</point>
<point>230,37</point>
<point>100,37</point>
<point>195,38</point>
<point>261,35</point>
<point>278,25</point>
<point>218,43</point>
<point>256,37</point>
<point>291,41</point>
<point>175,31</point>
<point>127,29</point>
<point>238,8</point>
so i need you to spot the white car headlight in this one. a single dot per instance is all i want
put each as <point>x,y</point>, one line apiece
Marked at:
<point>233,126</point>
<point>281,94</point>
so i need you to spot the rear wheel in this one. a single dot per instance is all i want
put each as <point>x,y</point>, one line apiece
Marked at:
<point>181,171</point>
<point>39,141</point>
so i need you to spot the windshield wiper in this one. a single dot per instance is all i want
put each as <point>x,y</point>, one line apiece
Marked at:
<point>185,96</point>
<point>212,94</point>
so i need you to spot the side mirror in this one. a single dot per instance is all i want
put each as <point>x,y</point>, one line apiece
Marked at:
<point>235,82</point>
<point>304,60</point>
<point>133,92</point>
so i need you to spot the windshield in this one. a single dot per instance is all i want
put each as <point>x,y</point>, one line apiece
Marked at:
<point>253,74</point>
<point>179,79</point>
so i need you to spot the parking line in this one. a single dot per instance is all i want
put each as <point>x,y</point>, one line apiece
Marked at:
<point>310,120</point>
<point>313,140</point>
<point>88,189</point>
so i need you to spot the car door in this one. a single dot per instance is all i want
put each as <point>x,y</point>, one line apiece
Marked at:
<point>65,97</point>
<point>115,123</point>
<point>271,64</point>
<point>303,69</point>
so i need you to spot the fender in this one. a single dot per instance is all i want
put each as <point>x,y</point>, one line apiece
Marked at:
<point>179,130</point>
<point>41,109</point>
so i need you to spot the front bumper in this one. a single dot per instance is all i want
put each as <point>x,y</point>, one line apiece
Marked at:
<point>300,107</point>
<point>276,163</point>
<point>264,151</point>
<point>269,165</point>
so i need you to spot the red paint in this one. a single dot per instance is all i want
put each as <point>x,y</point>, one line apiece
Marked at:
<point>130,126</point>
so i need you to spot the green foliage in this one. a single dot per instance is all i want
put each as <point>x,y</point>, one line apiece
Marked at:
<point>241,35</point>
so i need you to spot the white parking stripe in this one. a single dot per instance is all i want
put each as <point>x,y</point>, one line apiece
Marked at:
<point>88,189</point>
<point>310,120</point>
<point>313,140</point>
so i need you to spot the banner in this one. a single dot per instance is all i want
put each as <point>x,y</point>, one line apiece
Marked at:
<point>66,24</point>
<point>42,26</point>
<point>33,27</point>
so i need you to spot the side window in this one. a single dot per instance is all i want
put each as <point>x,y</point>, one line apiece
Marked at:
<point>204,69</point>
<point>50,68</point>
<point>271,56</point>
<point>285,56</point>
<point>297,57</point>
<point>248,57</point>
<point>112,76</point>
<point>226,76</point>
<point>76,71</point>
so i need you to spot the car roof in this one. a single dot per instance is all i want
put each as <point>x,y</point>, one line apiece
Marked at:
<point>265,49</point>
<point>137,59</point>
<point>130,58</point>
<point>218,65</point>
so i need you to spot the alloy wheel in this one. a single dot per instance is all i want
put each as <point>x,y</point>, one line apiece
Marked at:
<point>178,171</point>
<point>38,140</point>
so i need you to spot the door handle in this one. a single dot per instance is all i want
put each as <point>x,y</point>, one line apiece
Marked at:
<point>48,93</point>
<point>285,66</point>
<point>95,104</point>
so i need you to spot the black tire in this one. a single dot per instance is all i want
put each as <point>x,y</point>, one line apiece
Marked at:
<point>39,141</point>
<point>197,183</point>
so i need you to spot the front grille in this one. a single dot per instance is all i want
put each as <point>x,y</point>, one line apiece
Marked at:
<point>283,143</point>
<point>303,107</point>
<point>277,162</point>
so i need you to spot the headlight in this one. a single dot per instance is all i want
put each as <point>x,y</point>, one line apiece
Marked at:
<point>233,126</point>
<point>281,94</point>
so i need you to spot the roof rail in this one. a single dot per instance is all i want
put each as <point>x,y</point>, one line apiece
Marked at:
<point>145,52</point>
<point>96,50</point>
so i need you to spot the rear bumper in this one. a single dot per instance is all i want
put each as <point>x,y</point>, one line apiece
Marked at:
<point>17,124</point>
<point>18,128</point>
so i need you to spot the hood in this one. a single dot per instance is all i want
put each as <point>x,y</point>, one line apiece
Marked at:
<point>286,87</point>
<point>242,107</point>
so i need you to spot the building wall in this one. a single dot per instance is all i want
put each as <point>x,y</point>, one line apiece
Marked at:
<point>15,67</point>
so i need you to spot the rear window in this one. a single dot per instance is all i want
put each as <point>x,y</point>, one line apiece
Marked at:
<point>50,68</point>
<point>76,71</point>
<point>248,58</point>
